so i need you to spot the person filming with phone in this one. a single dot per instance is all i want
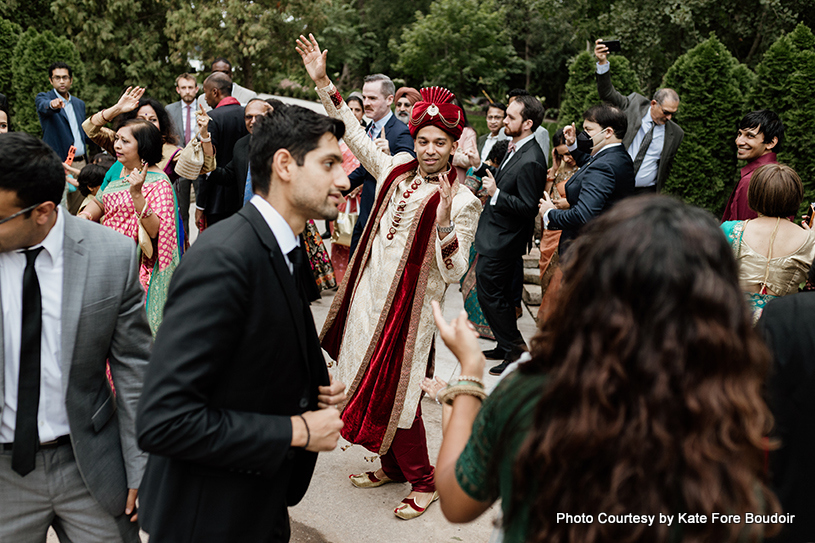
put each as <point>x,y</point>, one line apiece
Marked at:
<point>653,137</point>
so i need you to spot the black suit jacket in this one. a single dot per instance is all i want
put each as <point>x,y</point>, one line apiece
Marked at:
<point>220,388</point>
<point>226,128</point>
<point>399,140</point>
<point>601,181</point>
<point>505,228</point>
<point>232,176</point>
<point>787,326</point>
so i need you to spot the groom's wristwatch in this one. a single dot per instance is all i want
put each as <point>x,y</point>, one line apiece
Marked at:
<point>446,229</point>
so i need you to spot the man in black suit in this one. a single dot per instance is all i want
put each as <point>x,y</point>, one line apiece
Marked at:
<point>237,400</point>
<point>390,135</point>
<point>234,177</point>
<point>506,225</point>
<point>226,127</point>
<point>786,324</point>
<point>606,172</point>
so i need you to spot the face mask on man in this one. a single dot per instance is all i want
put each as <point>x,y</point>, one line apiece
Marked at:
<point>585,142</point>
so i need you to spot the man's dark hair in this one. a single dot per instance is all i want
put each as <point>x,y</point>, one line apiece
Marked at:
<point>220,81</point>
<point>294,128</point>
<point>89,177</point>
<point>769,123</point>
<point>57,66</point>
<point>497,105</point>
<point>31,169</point>
<point>517,92</point>
<point>220,59</point>
<point>533,109</point>
<point>608,116</point>
<point>148,140</point>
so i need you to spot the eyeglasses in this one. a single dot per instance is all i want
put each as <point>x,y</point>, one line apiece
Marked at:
<point>666,112</point>
<point>61,77</point>
<point>495,117</point>
<point>15,215</point>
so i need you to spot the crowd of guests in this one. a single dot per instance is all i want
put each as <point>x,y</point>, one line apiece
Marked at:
<point>648,388</point>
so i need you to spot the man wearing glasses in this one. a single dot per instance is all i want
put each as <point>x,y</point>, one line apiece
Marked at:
<point>652,138</point>
<point>72,309</point>
<point>61,115</point>
<point>495,122</point>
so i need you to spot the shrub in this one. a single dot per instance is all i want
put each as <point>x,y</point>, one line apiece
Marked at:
<point>708,80</point>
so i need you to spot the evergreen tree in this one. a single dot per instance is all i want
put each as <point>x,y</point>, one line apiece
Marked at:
<point>708,80</point>
<point>9,34</point>
<point>33,55</point>
<point>784,85</point>
<point>581,87</point>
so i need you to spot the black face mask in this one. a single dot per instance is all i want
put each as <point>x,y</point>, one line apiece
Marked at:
<point>585,142</point>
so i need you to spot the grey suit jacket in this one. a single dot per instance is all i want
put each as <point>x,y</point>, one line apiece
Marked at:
<point>175,111</point>
<point>103,319</point>
<point>635,106</point>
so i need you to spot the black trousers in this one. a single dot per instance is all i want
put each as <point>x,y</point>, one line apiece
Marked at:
<point>493,280</point>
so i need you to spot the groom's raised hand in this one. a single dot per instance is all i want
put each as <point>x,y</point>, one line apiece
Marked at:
<point>313,59</point>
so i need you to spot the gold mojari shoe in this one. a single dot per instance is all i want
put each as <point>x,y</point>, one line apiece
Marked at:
<point>369,480</point>
<point>408,509</point>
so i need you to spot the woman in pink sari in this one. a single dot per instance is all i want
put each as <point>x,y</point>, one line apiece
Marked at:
<point>143,195</point>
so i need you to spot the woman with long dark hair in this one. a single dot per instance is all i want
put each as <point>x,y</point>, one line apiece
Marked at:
<point>643,395</point>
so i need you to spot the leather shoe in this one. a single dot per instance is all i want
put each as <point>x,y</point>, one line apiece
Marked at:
<point>499,369</point>
<point>495,354</point>
<point>408,509</point>
<point>368,480</point>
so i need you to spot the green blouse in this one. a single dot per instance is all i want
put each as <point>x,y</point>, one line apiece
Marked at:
<point>484,469</point>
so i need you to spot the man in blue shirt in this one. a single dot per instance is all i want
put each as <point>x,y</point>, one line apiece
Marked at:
<point>61,115</point>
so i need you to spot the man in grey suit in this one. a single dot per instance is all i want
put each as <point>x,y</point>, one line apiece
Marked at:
<point>652,138</point>
<point>71,305</point>
<point>186,128</point>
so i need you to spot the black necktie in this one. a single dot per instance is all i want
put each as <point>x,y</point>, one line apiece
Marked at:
<point>26,438</point>
<point>646,141</point>
<point>297,258</point>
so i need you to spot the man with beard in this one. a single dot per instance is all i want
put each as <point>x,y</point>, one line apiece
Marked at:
<point>184,121</point>
<point>380,328</point>
<point>405,98</point>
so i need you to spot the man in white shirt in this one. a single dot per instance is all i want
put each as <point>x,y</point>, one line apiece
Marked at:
<point>184,121</point>
<point>652,138</point>
<point>495,124</point>
<point>72,310</point>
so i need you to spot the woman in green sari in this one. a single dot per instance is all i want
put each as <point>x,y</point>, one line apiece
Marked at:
<point>142,198</point>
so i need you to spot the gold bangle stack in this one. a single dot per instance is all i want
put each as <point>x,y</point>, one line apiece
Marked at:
<point>449,394</point>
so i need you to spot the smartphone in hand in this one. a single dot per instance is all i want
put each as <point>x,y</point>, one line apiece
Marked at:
<point>613,45</point>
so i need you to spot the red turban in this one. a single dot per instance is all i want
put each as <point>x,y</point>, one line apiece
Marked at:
<point>410,93</point>
<point>437,109</point>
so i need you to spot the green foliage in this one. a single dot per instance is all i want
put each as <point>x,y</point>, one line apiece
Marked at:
<point>382,23</point>
<point>32,56</point>
<point>784,84</point>
<point>341,38</point>
<point>257,37</point>
<point>708,82</point>
<point>461,44</point>
<point>9,34</point>
<point>581,88</point>
<point>30,14</point>
<point>654,33</point>
<point>127,46</point>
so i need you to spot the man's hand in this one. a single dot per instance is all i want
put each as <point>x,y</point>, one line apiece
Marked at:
<point>569,134</point>
<point>202,119</point>
<point>56,103</point>
<point>383,145</point>
<point>200,220</point>
<point>313,59</point>
<point>332,395</point>
<point>488,182</point>
<point>447,192</point>
<point>323,432</point>
<point>545,204</point>
<point>600,51</point>
<point>132,494</point>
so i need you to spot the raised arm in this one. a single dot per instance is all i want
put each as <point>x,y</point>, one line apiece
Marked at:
<point>94,126</point>
<point>369,155</point>
<point>605,89</point>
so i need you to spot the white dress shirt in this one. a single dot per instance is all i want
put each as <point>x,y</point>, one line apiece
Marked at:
<point>647,174</point>
<point>280,228</point>
<point>518,146</point>
<point>490,142</point>
<point>376,130</point>
<point>52,416</point>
